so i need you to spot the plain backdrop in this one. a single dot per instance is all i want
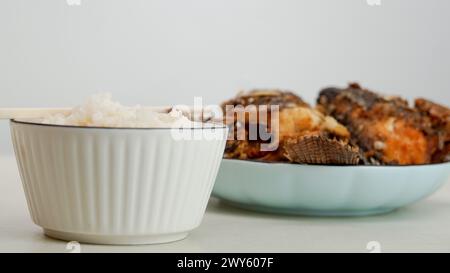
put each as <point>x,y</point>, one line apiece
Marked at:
<point>165,52</point>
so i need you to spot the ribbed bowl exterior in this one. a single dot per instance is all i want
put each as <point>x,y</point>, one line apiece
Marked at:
<point>106,181</point>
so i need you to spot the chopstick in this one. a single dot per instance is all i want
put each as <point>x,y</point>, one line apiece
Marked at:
<point>35,113</point>
<point>30,113</point>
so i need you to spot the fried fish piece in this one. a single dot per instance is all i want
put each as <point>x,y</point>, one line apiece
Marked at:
<point>436,120</point>
<point>386,129</point>
<point>302,131</point>
<point>320,150</point>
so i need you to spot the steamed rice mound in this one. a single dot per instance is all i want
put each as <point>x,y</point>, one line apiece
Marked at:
<point>101,111</point>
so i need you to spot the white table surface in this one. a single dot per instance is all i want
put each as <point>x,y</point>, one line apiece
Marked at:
<point>424,226</point>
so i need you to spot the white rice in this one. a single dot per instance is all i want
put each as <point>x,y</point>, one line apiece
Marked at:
<point>101,111</point>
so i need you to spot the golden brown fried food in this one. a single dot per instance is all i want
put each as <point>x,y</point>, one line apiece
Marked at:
<point>386,129</point>
<point>320,150</point>
<point>436,120</point>
<point>303,133</point>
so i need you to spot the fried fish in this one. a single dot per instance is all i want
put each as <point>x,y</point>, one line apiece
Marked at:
<point>303,134</point>
<point>386,129</point>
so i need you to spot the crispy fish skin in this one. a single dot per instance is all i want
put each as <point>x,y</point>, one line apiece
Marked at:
<point>321,150</point>
<point>386,129</point>
<point>436,120</point>
<point>283,99</point>
<point>299,124</point>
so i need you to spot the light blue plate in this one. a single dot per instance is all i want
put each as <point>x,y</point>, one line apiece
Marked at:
<point>326,190</point>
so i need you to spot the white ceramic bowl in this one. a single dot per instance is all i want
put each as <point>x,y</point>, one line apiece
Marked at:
<point>326,190</point>
<point>116,185</point>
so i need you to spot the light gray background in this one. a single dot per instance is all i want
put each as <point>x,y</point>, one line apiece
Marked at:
<point>166,52</point>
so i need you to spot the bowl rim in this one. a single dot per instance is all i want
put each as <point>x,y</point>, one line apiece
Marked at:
<point>214,126</point>
<point>262,163</point>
